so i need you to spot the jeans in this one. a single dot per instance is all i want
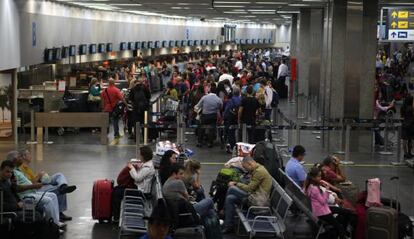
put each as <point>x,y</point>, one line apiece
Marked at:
<point>115,124</point>
<point>57,180</point>
<point>230,133</point>
<point>331,220</point>
<point>205,208</point>
<point>268,114</point>
<point>209,120</point>
<point>200,194</point>
<point>234,196</point>
<point>48,204</point>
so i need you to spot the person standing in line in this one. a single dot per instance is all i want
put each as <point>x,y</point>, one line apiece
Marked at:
<point>247,112</point>
<point>111,96</point>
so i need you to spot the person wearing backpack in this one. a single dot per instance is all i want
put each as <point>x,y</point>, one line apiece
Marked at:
<point>111,96</point>
<point>140,97</point>
<point>230,118</point>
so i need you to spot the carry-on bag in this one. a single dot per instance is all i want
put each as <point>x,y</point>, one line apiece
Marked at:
<point>382,223</point>
<point>212,227</point>
<point>102,200</point>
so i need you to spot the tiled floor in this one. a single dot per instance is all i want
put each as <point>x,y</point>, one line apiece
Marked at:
<point>83,160</point>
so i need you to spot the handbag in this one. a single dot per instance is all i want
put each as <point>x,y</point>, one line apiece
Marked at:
<point>94,98</point>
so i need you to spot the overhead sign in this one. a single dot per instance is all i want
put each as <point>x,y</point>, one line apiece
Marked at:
<point>400,24</point>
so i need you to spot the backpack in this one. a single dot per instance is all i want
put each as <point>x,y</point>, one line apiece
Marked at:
<point>275,99</point>
<point>140,102</point>
<point>265,153</point>
<point>212,227</point>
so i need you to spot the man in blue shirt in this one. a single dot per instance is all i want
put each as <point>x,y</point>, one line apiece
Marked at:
<point>294,168</point>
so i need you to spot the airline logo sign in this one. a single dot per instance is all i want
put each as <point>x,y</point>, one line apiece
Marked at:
<point>401,24</point>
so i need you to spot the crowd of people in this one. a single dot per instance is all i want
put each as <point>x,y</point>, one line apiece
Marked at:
<point>394,83</point>
<point>241,88</point>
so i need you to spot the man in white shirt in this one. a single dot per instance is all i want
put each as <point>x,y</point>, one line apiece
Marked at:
<point>239,64</point>
<point>268,99</point>
<point>226,76</point>
<point>143,176</point>
<point>283,71</point>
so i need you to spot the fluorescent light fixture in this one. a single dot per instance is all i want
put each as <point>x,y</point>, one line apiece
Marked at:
<point>264,13</point>
<point>232,12</point>
<point>272,3</point>
<point>287,12</point>
<point>313,0</point>
<point>126,4</point>
<point>298,5</point>
<point>227,6</point>
<point>226,2</point>
<point>261,10</point>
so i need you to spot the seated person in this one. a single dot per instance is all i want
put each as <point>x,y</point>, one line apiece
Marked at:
<point>11,201</point>
<point>192,179</point>
<point>294,169</point>
<point>174,189</point>
<point>158,223</point>
<point>168,159</point>
<point>47,201</point>
<point>143,176</point>
<point>319,201</point>
<point>257,191</point>
<point>56,183</point>
<point>331,172</point>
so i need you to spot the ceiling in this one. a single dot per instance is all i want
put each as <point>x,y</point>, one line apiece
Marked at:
<point>249,11</point>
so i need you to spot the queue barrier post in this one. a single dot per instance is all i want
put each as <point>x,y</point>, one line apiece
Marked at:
<point>46,141</point>
<point>398,161</point>
<point>341,137</point>
<point>297,133</point>
<point>183,129</point>
<point>145,127</point>
<point>386,129</point>
<point>347,146</point>
<point>290,136</point>
<point>32,128</point>
<point>308,111</point>
<point>137,138</point>
<point>244,133</point>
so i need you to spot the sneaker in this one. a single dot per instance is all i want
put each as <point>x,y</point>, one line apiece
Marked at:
<point>64,217</point>
<point>61,225</point>
<point>66,189</point>
<point>61,232</point>
<point>117,136</point>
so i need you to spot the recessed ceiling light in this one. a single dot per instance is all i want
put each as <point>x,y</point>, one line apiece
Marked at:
<point>227,6</point>
<point>126,4</point>
<point>298,5</point>
<point>261,10</point>
<point>226,2</point>
<point>273,3</point>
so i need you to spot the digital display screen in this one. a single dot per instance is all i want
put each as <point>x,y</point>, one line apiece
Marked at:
<point>92,48</point>
<point>82,49</point>
<point>157,44</point>
<point>196,43</point>
<point>65,52</point>
<point>143,45</point>
<point>122,46</point>
<point>259,41</point>
<point>201,42</point>
<point>171,44</point>
<point>183,43</point>
<point>72,50</point>
<point>137,45</point>
<point>264,41</point>
<point>190,43</point>
<point>150,45</point>
<point>101,48</point>
<point>131,46</point>
<point>177,43</point>
<point>164,44</point>
<point>109,47</point>
<point>253,41</point>
<point>247,41</point>
<point>48,55</point>
<point>207,42</point>
<point>57,54</point>
<point>213,42</point>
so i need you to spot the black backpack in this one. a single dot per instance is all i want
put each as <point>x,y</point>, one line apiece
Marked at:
<point>140,101</point>
<point>265,153</point>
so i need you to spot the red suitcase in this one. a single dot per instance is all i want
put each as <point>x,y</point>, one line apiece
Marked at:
<point>102,200</point>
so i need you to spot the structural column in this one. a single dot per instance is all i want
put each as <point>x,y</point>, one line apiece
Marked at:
<point>348,64</point>
<point>294,36</point>
<point>304,51</point>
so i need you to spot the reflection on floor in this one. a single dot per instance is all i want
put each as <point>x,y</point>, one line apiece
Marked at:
<point>83,160</point>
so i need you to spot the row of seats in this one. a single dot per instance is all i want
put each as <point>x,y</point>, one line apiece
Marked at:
<point>287,217</point>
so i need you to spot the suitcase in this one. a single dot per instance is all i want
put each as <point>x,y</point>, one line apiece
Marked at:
<point>102,200</point>
<point>382,223</point>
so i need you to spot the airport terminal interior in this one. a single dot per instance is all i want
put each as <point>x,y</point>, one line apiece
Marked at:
<point>206,119</point>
